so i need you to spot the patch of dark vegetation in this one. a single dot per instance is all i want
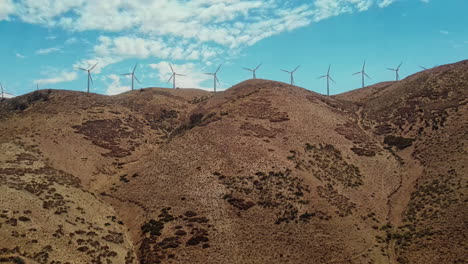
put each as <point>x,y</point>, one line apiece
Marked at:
<point>153,227</point>
<point>196,119</point>
<point>262,108</point>
<point>11,259</point>
<point>238,202</point>
<point>197,100</point>
<point>123,178</point>
<point>398,142</point>
<point>326,163</point>
<point>259,130</point>
<point>158,244</point>
<point>363,152</point>
<point>342,203</point>
<point>279,191</point>
<point>365,146</point>
<point>120,137</point>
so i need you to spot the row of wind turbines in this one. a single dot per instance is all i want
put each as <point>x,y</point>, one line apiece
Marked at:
<point>174,74</point>
<point>254,75</point>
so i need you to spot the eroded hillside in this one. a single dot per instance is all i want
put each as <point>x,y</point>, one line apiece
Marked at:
<point>261,173</point>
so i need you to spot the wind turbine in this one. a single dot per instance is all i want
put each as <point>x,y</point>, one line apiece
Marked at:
<point>3,92</point>
<point>174,74</point>
<point>363,73</point>
<point>215,77</point>
<point>397,70</point>
<point>133,75</point>
<point>292,74</point>
<point>253,70</point>
<point>89,74</point>
<point>328,80</point>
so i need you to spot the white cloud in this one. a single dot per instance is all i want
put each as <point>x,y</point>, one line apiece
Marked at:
<point>50,37</point>
<point>6,8</point>
<point>48,50</point>
<point>62,77</point>
<point>19,55</point>
<point>229,23</point>
<point>191,30</point>
<point>444,32</point>
<point>115,87</point>
<point>425,1</point>
<point>193,79</point>
<point>385,3</point>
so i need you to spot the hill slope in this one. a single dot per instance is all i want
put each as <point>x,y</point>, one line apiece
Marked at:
<point>261,173</point>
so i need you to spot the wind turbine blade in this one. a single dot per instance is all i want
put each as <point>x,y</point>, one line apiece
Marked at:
<point>134,68</point>
<point>93,67</point>
<point>332,79</point>
<point>328,72</point>
<point>91,78</point>
<point>218,68</point>
<point>171,67</point>
<point>322,77</point>
<point>82,69</point>
<point>170,78</point>
<point>259,66</point>
<point>209,73</point>
<point>367,76</point>
<point>125,74</point>
<point>399,65</point>
<point>363,65</point>
<point>424,68</point>
<point>247,69</point>
<point>296,68</point>
<point>285,71</point>
<point>217,80</point>
<point>357,73</point>
<point>137,79</point>
<point>391,69</point>
<point>180,74</point>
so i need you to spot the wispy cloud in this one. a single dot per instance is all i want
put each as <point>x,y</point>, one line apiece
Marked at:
<point>71,40</point>
<point>386,3</point>
<point>193,79</point>
<point>444,32</point>
<point>115,87</point>
<point>20,56</point>
<point>425,1</point>
<point>48,50</point>
<point>61,77</point>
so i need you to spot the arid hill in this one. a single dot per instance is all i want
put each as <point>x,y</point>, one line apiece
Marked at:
<point>261,173</point>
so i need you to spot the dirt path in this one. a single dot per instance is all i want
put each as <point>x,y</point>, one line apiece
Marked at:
<point>398,199</point>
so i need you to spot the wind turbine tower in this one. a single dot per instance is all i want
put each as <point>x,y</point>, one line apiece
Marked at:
<point>133,75</point>
<point>253,70</point>
<point>397,71</point>
<point>328,80</point>
<point>173,76</point>
<point>292,74</point>
<point>89,74</point>
<point>3,92</point>
<point>215,77</point>
<point>363,73</point>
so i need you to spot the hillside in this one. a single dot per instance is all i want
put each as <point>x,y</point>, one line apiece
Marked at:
<point>261,173</point>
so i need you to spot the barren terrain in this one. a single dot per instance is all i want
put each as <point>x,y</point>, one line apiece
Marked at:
<point>263,172</point>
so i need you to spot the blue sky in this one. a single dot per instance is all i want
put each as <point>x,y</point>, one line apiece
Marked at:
<point>43,41</point>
